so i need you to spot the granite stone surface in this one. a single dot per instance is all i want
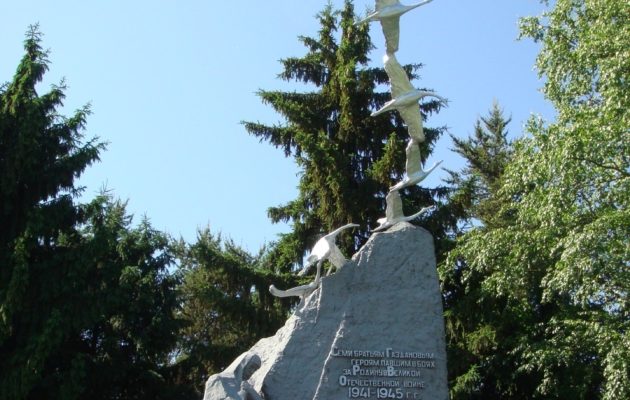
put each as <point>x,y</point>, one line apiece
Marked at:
<point>373,330</point>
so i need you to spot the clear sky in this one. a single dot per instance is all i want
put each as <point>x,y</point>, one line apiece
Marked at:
<point>170,81</point>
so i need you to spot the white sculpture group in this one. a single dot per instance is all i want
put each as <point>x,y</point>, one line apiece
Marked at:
<point>405,100</point>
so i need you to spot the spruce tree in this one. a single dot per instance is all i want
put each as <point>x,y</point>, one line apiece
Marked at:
<point>86,301</point>
<point>486,154</point>
<point>41,154</point>
<point>124,326</point>
<point>347,159</point>
<point>225,305</point>
<point>473,200</point>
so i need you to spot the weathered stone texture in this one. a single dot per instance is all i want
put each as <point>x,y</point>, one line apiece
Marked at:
<point>387,297</point>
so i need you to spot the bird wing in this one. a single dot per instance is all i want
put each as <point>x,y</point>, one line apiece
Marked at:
<point>419,213</point>
<point>386,107</point>
<point>413,165</point>
<point>380,4</point>
<point>391,31</point>
<point>397,76</point>
<point>369,18</point>
<point>413,118</point>
<point>420,4</point>
<point>402,184</point>
<point>394,206</point>
<point>424,93</point>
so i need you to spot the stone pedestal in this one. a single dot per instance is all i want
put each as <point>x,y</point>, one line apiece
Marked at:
<point>373,330</point>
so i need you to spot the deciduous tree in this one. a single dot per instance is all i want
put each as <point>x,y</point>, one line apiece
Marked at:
<point>553,307</point>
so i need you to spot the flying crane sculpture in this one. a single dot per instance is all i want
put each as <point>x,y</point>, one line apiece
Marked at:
<point>414,173</point>
<point>394,213</point>
<point>391,285</point>
<point>324,249</point>
<point>388,12</point>
<point>405,100</point>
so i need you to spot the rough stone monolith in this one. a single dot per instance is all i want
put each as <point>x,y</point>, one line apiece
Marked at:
<point>373,330</point>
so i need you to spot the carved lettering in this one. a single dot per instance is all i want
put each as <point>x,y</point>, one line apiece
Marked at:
<point>388,374</point>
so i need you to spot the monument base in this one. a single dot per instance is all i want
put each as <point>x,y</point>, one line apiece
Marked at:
<point>373,330</point>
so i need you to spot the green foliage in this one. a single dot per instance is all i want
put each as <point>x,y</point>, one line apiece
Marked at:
<point>486,153</point>
<point>129,300</point>
<point>474,328</point>
<point>225,303</point>
<point>40,151</point>
<point>346,161</point>
<point>552,282</point>
<point>86,303</point>
<point>40,155</point>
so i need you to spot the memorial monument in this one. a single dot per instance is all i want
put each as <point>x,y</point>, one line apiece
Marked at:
<point>374,329</point>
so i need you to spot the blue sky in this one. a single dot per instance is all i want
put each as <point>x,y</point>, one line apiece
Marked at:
<point>170,81</point>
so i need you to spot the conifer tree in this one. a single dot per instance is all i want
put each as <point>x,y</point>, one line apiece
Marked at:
<point>486,154</point>
<point>473,201</point>
<point>124,326</point>
<point>40,153</point>
<point>226,306</point>
<point>86,303</point>
<point>347,159</point>
<point>40,156</point>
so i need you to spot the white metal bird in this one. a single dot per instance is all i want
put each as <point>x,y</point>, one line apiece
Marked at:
<point>326,249</point>
<point>394,212</point>
<point>413,167</point>
<point>405,98</point>
<point>400,84</point>
<point>388,12</point>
